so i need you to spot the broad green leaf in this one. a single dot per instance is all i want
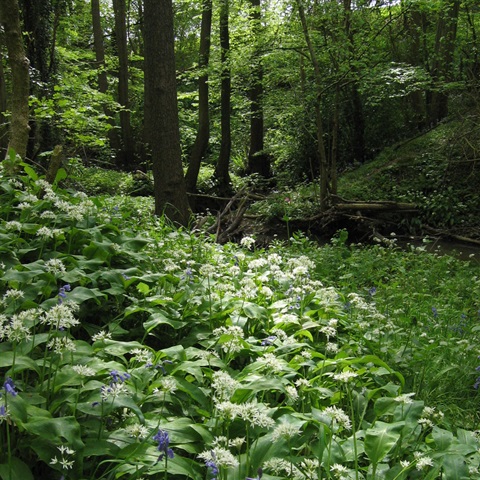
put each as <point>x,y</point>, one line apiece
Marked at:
<point>455,467</point>
<point>442,438</point>
<point>61,175</point>
<point>381,439</point>
<point>82,294</point>
<point>252,310</point>
<point>56,430</point>
<point>160,319</point>
<point>30,172</point>
<point>17,470</point>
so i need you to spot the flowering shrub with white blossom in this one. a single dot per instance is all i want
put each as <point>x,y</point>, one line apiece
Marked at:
<point>129,349</point>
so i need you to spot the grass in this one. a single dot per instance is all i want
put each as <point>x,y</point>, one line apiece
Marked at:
<point>132,349</point>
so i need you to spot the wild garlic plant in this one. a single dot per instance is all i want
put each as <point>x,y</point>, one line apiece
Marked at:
<point>132,349</point>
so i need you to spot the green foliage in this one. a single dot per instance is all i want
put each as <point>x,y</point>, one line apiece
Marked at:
<point>433,172</point>
<point>129,348</point>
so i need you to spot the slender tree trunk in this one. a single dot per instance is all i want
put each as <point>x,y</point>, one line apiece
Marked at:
<point>102,74</point>
<point>203,133</point>
<point>19,65</point>
<point>161,112</point>
<point>222,168</point>
<point>39,27</point>
<point>322,156</point>
<point>258,160</point>
<point>415,26</point>
<point>443,59</point>
<point>126,154</point>
<point>358,120</point>
<point>3,111</point>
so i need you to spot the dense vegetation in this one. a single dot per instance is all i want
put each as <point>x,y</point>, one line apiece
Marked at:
<point>134,349</point>
<point>293,91</point>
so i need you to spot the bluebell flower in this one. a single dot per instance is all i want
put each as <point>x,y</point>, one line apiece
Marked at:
<point>62,292</point>
<point>435,312</point>
<point>119,377</point>
<point>372,291</point>
<point>258,477</point>
<point>3,411</point>
<point>163,444</point>
<point>268,341</point>
<point>213,466</point>
<point>10,387</point>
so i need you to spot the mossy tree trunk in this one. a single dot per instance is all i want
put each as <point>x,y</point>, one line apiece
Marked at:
<point>19,65</point>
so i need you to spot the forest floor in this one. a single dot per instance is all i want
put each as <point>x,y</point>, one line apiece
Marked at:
<point>438,173</point>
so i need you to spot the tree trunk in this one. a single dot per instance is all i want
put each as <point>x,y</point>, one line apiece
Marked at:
<point>441,70</point>
<point>322,156</point>
<point>19,64</point>
<point>126,153</point>
<point>161,112</point>
<point>203,133</point>
<point>40,36</point>
<point>357,117</point>
<point>415,29</point>
<point>222,167</point>
<point>258,160</point>
<point>102,74</point>
<point>3,111</point>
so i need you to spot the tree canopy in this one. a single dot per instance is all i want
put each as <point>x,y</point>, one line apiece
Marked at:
<point>290,90</point>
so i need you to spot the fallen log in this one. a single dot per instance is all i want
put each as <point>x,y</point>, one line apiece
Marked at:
<point>376,206</point>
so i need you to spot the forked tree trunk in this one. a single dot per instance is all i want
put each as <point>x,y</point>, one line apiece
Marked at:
<point>161,112</point>
<point>19,64</point>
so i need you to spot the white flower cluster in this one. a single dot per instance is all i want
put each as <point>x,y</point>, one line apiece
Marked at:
<point>17,328</point>
<point>223,385</point>
<point>234,344</point>
<point>63,461</point>
<point>220,456</point>
<point>338,417</point>
<point>430,417</point>
<point>252,413</point>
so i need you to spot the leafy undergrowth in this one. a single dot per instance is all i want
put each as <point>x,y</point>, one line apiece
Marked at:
<point>133,350</point>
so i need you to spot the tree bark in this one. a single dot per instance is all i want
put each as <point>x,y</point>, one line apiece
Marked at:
<point>203,133</point>
<point>126,153</point>
<point>102,79</point>
<point>441,71</point>
<point>19,64</point>
<point>321,152</point>
<point>258,159</point>
<point>221,170</point>
<point>161,112</point>
<point>3,111</point>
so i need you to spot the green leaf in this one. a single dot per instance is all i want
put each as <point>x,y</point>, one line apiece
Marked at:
<point>252,310</point>
<point>160,319</point>
<point>442,438</point>
<point>56,430</point>
<point>381,439</point>
<point>61,175</point>
<point>455,467</point>
<point>17,470</point>
<point>30,172</point>
<point>82,294</point>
